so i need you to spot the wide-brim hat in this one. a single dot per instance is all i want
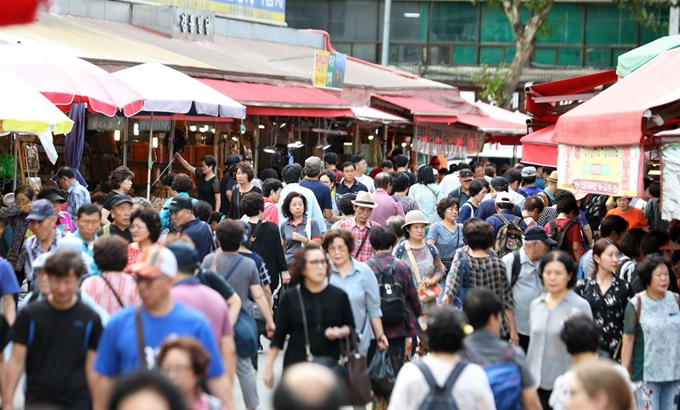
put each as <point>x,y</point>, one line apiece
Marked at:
<point>365,199</point>
<point>414,217</point>
<point>553,176</point>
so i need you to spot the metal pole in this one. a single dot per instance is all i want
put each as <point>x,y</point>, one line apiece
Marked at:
<point>386,33</point>
<point>171,144</point>
<point>256,144</point>
<point>150,164</point>
<point>125,141</point>
<point>15,150</point>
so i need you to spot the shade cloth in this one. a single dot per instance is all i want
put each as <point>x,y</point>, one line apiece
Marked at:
<point>538,148</point>
<point>636,58</point>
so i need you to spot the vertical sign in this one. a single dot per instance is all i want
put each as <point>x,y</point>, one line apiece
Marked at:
<point>329,69</point>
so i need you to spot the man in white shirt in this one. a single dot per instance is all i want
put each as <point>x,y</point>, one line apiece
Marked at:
<point>452,181</point>
<point>360,172</point>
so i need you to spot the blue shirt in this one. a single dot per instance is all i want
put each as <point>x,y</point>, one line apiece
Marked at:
<point>8,279</point>
<point>498,223</point>
<point>488,208</point>
<point>201,235</point>
<point>321,192</point>
<point>117,352</point>
<point>540,183</point>
<point>94,269</point>
<point>532,190</point>
<point>77,196</point>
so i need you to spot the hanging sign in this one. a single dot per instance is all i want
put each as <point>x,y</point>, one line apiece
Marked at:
<point>446,140</point>
<point>670,181</point>
<point>611,171</point>
<point>329,69</point>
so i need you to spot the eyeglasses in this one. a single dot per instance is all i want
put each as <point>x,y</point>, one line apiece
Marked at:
<point>137,227</point>
<point>318,262</point>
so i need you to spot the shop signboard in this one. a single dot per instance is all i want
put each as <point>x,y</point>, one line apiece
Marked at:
<point>100,122</point>
<point>435,139</point>
<point>268,10</point>
<point>670,181</point>
<point>329,69</point>
<point>611,171</point>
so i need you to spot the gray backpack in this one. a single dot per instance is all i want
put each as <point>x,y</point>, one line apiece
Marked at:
<point>440,397</point>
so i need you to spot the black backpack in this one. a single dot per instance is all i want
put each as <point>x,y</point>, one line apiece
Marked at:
<point>392,297</point>
<point>440,397</point>
<point>560,235</point>
<point>596,209</point>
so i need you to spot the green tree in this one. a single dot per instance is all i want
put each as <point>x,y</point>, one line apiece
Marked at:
<point>528,31</point>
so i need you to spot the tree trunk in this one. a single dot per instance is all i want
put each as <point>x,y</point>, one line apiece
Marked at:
<point>523,53</point>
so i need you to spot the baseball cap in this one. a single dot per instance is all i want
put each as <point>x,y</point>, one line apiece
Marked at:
<point>233,159</point>
<point>180,202</point>
<point>499,184</point>
<point>155,261</point>
<point>503,198</point>
<point>528,172</point>
<point>466,174</point>
<point>40,210</point>
<point>54,197</point>
<point>314,164</point>
<point>121,199</point>
<point>536,233</point>
<point>186,255</point>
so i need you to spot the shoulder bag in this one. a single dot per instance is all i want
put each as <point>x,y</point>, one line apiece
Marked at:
<point>115,294</point>
<point>426,295</point>
<point>356,372</point>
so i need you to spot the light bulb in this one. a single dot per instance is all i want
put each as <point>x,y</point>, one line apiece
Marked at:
<point>212,130</point>
<point>154,142</point>
<point>192,128</point>
<point>261,126</point>
<point>135,129</point>
<point>370,137</point>
<point>116,135</point>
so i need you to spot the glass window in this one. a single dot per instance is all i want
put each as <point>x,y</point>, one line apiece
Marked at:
<point>455,21</point>
<point>441,55</point>
<point>407,53</point>
<point>564,24</point>
<point>495,25</point>
<point>491,55</point>
<point>353,20</point>
<point>569,56</point>
<point>607,25</point>
<point>465,55</point>
<point>509,54</point>
<point>648,35</point>
<point>305,14</point>
<point>345,48</point>
<point>365,52</point>
<point>405,24</point>
<point>545,56</point>
<point>598,57</point>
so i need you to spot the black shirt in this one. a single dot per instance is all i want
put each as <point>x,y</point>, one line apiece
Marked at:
<point>357,187</point>
<point>328,308</point>
<point>56,352</point>
<point>268,246</point>
<point>236,195</point>
<point>114,230</point>
<point>207,189</point>
<point>226,185</point>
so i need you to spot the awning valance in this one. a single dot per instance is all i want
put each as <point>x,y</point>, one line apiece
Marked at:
<point>421,110</point>
<point>269,99</point>
<point>538,148</point>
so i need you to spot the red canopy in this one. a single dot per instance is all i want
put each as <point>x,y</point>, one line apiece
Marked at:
<point>268,99</point>
<point>539,148</point>
<point>542,98</point>
<point>421,110</point>
<point>615,116</point>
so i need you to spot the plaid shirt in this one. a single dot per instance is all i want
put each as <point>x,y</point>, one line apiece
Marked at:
<point>382,262</point>
<point>32,250</point>
<point>486,273</point>
<point>359,234</point>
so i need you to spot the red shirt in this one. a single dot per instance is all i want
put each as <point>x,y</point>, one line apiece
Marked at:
<point>271,212</point>
<point>573,234</point>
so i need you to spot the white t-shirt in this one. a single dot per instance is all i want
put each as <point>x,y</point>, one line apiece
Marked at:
<point>449,183</point>
<point>368,181</point>
<point>471,391</point>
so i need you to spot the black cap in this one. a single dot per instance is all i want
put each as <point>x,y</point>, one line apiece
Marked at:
<point>186,255</point>
<point>181,202</point>
<point>121,199</point>
<point>499,184</point>
<point>536,233</point>
<point>466,174</point>
<point>233,159</point>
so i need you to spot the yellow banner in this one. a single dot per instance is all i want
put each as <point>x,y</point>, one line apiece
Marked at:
<point>611,171</point>
<point>269,10</point>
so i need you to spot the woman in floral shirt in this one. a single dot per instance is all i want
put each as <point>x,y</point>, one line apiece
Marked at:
<point>607,295</point>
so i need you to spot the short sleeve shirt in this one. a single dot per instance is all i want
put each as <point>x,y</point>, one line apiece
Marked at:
<point>207,189</point>
<point>634,217</point>
<point>287,229</point>
<point>321,192</point>
<point>573,235</point>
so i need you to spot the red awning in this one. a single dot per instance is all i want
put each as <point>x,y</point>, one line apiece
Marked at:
<point>491,125</point>
<point>617,115</point>
<point>538,103</point>
<point>539,148</point>
<point>421,110</point>
<point>268,99</point>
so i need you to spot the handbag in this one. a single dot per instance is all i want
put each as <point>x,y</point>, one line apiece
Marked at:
<point>334,365</point>
<point>426,295</point>
<point>356,372</point>
<point>245,328</point>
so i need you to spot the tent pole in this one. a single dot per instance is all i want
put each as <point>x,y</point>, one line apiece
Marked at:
<point>125,140</point>
<point>256,144</point>
<point>171,145</point>
<point>15,150</point>
<point>150,164</point>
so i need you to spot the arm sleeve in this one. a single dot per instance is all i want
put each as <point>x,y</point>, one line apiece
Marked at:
<point>372,295</point>
<point>453,280</point>
<point>508,299</point>
<point>434,233</point>
<point>282,321</point>
<point>316,232</point>
<point>164,215</point>
<point>629,319</point>
<point>8,279</point>
<point>216,186</point>
<point>96,334</point>
<point>9,213</point>
<point>317,214</point>
<point>327,204</point>
<point>19,332</point>
<point>254,273</point>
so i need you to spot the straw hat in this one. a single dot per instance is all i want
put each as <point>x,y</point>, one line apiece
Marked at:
<point>414,217</point>
<point>579,195</point>
<point>553,177</point>
<point>365,199</point>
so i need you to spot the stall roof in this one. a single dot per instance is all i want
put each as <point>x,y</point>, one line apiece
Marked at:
<point>501,113</point>
<point>421,110</point>
<point>370,114</point>
<point>268,99</point>
<point>492,125</point>
<point>538,148</point>
<point>542,99</point>
<point>636,58</point>
<point>615,116</point>
<point>116,44</point>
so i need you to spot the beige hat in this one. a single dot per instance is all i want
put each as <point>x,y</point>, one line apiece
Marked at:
<point>365,199</point>
<point>414,217</point>
<point>552,177</point>
<point>579,195</point>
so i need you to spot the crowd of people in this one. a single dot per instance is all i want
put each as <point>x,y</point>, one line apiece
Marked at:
<point>484,288</point>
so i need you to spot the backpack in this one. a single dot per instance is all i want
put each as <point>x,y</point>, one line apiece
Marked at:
<point>516,269</point>
<point>560,236</point>
<point>505,379</point>
<point>596,209</point>
<point>440,397</point>
<point>392,298</point>
<point>509,237</point>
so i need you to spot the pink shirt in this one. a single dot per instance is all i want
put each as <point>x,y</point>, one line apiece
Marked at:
<point>124,285</point>
<point>191,293</point>
<point>271,212</point>
<point>387,207</point>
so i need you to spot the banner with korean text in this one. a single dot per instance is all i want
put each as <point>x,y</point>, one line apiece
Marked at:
<point>438,139</point>
<point>614,171</point>
<point>267,10</point>
<point>329,69</point>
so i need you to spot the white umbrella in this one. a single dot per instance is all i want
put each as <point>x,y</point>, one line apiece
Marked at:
<point>166,90</point>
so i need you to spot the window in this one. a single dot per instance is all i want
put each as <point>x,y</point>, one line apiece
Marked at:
<point>598,57</point>
<point>569,56</point>
<point>406,21</point>
<point>465,55</point>
<point>495,25</point>
<point>441,55</point>
<point>545,56</point>
<point>491,55</point>
<point>607,25</point>
<point>455,21</point>
<point>564,24</point>
<point>353,20</point>
<point>305,14</point>
<point>365,52</point>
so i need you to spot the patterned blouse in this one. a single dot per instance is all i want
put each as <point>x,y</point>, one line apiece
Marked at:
<point>608,309</point>
<point>427,265</point>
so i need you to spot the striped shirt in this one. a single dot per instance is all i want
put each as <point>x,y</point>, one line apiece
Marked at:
<point>124,285</point>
